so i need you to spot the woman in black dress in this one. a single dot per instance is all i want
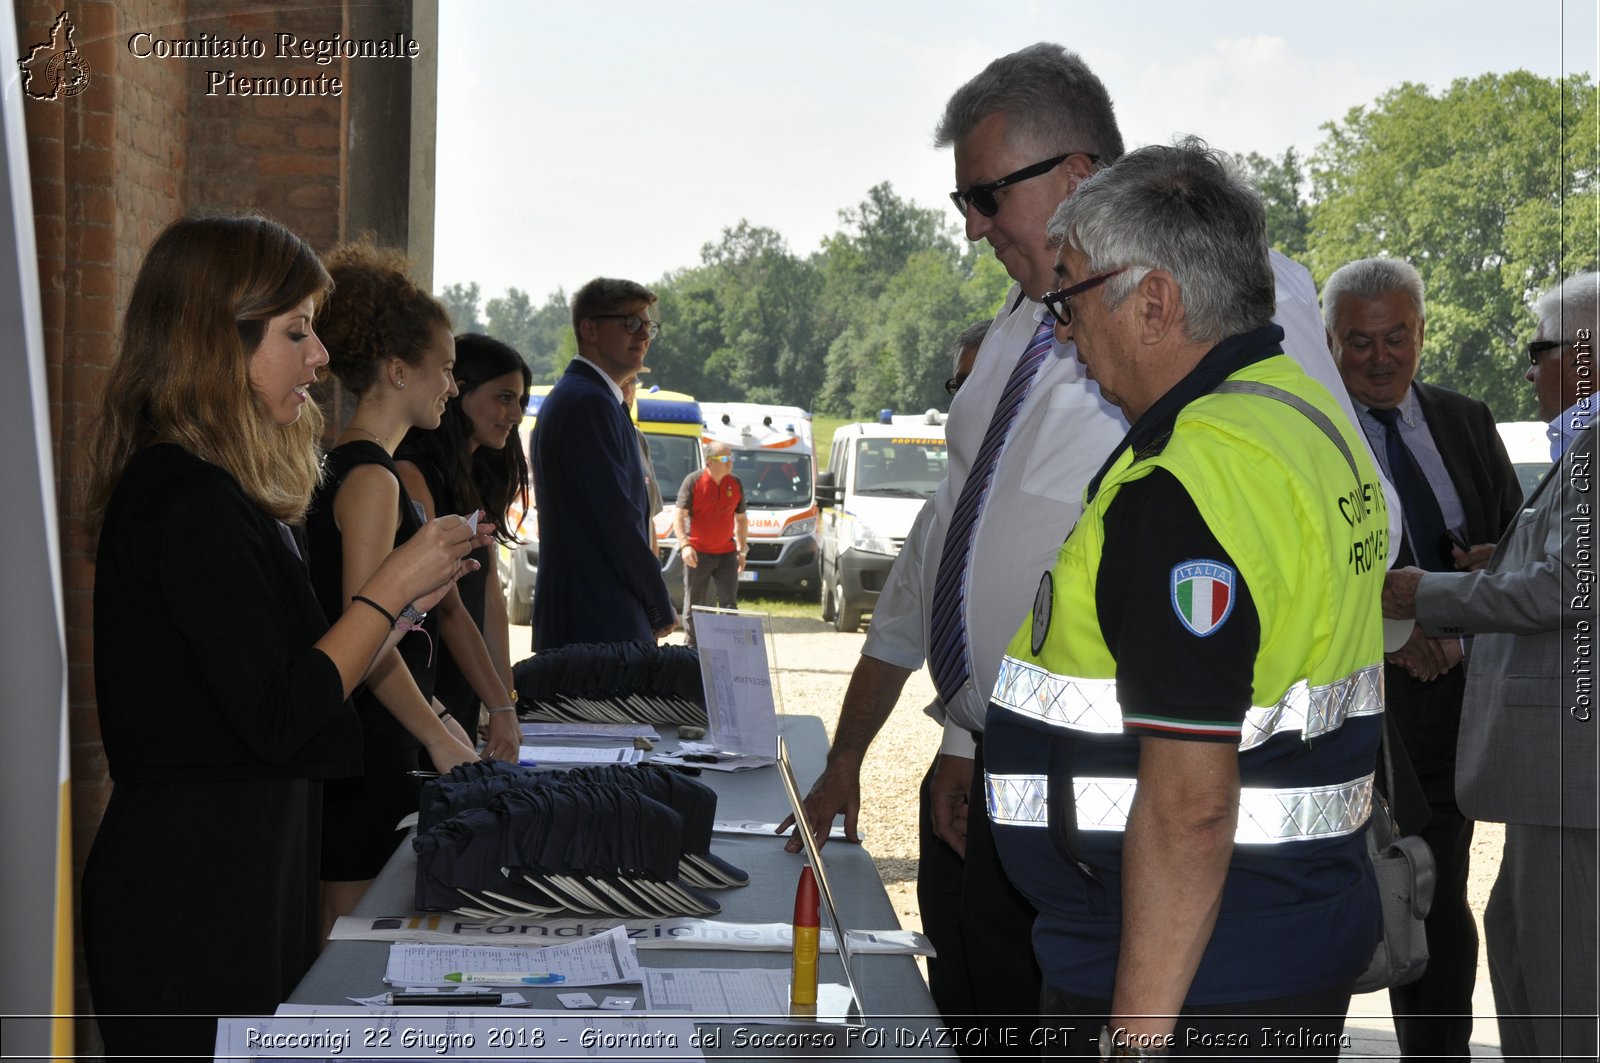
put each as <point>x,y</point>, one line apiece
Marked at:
<point>220,683</point>
<point>474,461</point>
<point>390,345</point>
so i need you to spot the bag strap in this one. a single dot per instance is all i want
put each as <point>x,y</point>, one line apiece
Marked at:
<point>1289,398</point>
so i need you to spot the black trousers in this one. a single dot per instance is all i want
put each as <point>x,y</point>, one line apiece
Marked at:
<point>1433,1015</point>
<point>986,975</point>
<point>1307,1026</point>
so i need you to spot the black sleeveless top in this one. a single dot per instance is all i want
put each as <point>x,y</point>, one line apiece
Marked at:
<point>451,686</point>
<point>327,561</point>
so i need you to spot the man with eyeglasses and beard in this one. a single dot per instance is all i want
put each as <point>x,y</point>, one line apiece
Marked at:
<point>599,578</point>
<point>1026,433</point>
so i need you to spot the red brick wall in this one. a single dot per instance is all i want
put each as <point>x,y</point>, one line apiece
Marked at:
<point>281,155</point>
<point>140,146</point>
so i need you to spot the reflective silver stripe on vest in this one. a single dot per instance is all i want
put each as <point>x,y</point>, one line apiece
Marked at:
<point>1266,816</point>
<point>1063,701</point>
<point>1091,704</point>
<point>1316,710</point>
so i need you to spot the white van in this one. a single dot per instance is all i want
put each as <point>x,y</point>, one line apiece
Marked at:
<point>775,462</point>
<point>878,477</point>
<point>1528,445</point>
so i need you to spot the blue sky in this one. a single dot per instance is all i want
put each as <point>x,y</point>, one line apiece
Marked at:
<point>616,138</point>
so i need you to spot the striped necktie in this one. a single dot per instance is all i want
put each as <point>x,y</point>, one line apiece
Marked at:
<point>947,643</point>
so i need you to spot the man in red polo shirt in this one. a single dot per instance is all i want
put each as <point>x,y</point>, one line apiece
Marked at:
<point>712,526</point>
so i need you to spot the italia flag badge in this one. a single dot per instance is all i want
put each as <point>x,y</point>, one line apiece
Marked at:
<point>1202,594</point>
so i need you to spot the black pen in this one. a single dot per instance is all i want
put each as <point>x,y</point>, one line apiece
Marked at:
<point>466,1000</point>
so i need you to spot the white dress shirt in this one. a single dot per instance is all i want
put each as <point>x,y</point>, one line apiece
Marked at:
<point>1061,436</point>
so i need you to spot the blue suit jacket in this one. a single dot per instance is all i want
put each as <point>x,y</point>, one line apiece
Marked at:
<point>599,580</point>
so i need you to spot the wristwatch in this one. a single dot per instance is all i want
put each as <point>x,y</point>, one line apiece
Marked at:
<point>1126,1050</point>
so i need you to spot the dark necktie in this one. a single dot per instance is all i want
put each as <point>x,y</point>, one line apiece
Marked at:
<point>947,639</point>
<point>1424,520</point>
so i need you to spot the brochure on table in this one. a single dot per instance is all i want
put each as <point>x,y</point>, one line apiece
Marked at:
<point>741,698</point>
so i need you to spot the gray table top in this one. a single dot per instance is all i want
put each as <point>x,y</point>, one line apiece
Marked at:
<point>894,994</point>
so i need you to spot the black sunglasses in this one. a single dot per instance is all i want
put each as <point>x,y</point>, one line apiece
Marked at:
<point>1059,303</point>
<point>1538,347</point>
<point>982,196</point>
<point>953,385</point>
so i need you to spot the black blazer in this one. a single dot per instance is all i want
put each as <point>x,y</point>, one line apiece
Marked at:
<point>1427,716</point>
<point>599,580</point>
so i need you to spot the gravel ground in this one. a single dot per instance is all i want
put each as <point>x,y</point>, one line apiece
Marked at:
<point>813,665</point>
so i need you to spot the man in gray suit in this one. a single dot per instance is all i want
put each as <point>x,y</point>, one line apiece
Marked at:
<point>1457,486</point>
<point>1527,750</point>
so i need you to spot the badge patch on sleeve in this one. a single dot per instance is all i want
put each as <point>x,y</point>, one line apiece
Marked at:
<point>1044,600</point>
<point>1202,594</point>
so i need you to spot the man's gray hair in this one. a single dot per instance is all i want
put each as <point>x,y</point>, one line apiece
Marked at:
<point>1370,278</point>
<point>1571,305</point>
<point>1185,209</point>
<point>1052,101</point>
<point>971,336</point>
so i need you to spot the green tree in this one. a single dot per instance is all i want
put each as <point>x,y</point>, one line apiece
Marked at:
<point>1288,215</point>
<point>461,300</point>
<point>511,318</point>
<point>1488,188</point>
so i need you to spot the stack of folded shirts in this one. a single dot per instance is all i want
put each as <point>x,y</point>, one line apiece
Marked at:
<point>497,840</point>
<point>612,682</point>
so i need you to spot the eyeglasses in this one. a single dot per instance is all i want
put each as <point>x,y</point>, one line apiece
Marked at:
<point>724,458</point>
<point>953,385</point>
<point>1538,347</point>
<point>982,196</point>
<point>1059,303</point>
<point>632,323</point>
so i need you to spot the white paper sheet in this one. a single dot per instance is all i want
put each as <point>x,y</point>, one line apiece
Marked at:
<point>617,731</point>
<point>605,959</point>
<point>759,994</point>
<point>537,756</point>
<point>737,676</point>
<point>750,826</point>
<point>679,932</point>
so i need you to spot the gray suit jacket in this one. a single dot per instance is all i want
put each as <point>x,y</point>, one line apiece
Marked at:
<point>1527,749</point>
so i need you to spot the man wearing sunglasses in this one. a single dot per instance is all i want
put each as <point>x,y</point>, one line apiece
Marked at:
<point>1458,493</point>
<point>599,578</point>
<point>1527,753</point>
<point>1026,433</point>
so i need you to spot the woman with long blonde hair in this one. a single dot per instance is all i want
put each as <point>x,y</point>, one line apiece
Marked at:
<point>221,685</point>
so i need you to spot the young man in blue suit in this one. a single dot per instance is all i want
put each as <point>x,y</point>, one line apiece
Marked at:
<point>599,579</point>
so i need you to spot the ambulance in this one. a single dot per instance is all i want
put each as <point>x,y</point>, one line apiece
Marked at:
<point>775,461</point>
<point>879,475</point>
<point>670,421</point>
